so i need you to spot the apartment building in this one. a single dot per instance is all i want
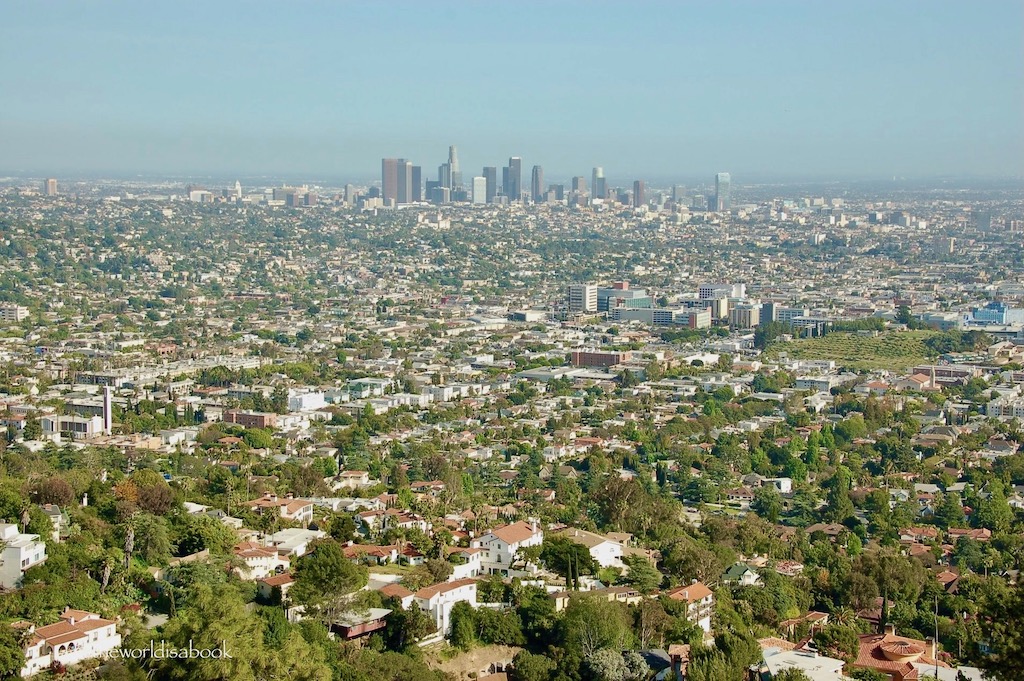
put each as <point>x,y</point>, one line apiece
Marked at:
<point>251,419</point>
<point>13,313</point>
<point>600,358</point>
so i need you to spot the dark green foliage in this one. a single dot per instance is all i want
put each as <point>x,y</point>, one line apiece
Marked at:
<point>567,558</point>
<point>324,579</point>
<point>1002,626</point>
<point>12,654</point>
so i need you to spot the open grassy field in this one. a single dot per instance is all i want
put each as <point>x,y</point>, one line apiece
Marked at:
<point>896,350</point>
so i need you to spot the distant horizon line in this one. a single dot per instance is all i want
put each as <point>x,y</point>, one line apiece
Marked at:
<point>339,180</point>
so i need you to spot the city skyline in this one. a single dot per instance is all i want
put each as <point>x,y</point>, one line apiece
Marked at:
<point>402,183</point>
<point>790,90</point>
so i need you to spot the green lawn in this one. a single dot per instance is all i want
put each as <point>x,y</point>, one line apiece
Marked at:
<point>896,350</point>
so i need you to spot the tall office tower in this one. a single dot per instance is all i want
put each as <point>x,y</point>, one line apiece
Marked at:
<point>582,298</point>
<point>579,184</point>
<point>428,189</point>
<point>558,190</point>
<point>491,175</point>
<point>404,174</point>
<point>679,194</point>
<point>598,185</point>
<point>453,163</point>
<point>444,175</point>
<point>638,193</point>
<point>480,189</point>
<point>417,183</point>
<point>238,189</point>
<point>439,195</point>
<point>722,199</point>
<point>51,187</point>
<point>537,192</point>
<point>350,195</point>
<point>389,180</point>
<point>514,188</point>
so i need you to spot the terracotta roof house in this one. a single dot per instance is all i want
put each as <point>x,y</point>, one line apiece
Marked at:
<point>894,655</point>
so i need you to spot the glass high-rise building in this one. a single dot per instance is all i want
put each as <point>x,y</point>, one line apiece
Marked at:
<point>491,177</point>
<point>514,186</point>
<point>404,181</point>
<point>638,194</point>
<point>723,201</point>
<point>417,183</point>
<point>598,185</point>
<point>537,185</point>
<point>389,180</point>
<point>453,164</point>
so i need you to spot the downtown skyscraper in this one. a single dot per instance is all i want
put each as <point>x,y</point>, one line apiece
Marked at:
<point>638,194</point>
<point>479,195</point>
<point>453,166</point>
<point>404,176</point>
<point>537,192</point>
<point>491,178</point>
<point>723,200</point>
<point>598,185</point>
<point>417,184</point>
<point>514,179</point>
<point>389,180</point>
<point>399,181</point>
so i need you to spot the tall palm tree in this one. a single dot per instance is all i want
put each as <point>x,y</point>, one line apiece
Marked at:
<point>843,616</point>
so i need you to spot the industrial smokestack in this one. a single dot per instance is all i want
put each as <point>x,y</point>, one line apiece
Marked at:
<point>108,413</point>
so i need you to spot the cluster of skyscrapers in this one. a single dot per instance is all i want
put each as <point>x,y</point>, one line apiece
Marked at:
<point>402,183</point>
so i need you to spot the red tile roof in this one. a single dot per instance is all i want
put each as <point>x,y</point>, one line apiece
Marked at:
<point>690,592</point>
<point>515,533</point>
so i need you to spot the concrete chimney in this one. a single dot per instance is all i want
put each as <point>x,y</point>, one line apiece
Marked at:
<point>890,628</point>
<point>932,651</point>
<point>108,413</point>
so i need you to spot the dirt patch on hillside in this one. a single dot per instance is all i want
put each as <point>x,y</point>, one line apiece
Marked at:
<point>470,664</point>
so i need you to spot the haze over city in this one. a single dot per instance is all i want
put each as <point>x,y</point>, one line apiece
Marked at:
<point>667,91</point>
<point>522,341</point>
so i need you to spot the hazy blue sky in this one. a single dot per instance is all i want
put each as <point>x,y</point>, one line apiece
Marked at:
<point>817,88</point>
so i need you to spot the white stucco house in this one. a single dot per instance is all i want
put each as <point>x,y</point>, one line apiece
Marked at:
<point>606,552</point>
<point>20,552</point>
<point>78,636</point>
<point>501,545</point>
<point>438,600</point>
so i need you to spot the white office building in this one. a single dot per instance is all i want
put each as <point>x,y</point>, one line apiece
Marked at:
<point>582,298</point>
<point>479,189</point>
